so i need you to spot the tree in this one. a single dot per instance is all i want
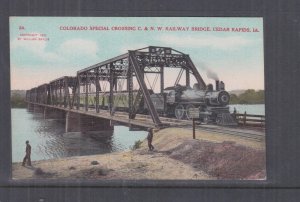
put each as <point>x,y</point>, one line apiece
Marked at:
<point>17,100</point>
<point>250,96</point>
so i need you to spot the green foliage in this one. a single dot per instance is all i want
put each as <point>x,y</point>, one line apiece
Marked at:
<point>250,96</point>
<point>234,99</point>
<point>136,145</point>
<point>17,101</point>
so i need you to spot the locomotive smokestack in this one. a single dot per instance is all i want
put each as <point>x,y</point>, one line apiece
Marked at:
<point>217,85</point>
<point>222,85</point>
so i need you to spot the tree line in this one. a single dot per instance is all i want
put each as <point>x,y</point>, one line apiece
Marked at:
<point>17,99</point>
<point>250,96</point>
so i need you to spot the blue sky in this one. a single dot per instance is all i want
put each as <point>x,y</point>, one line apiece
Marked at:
<point>236,57</point>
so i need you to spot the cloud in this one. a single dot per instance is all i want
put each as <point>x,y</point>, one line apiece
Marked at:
<point>32,45</point>
<point>71,52</point>
<point>62,61</point>
<point>36,48</point>
<point>78,48</point>
<point>221,43</point>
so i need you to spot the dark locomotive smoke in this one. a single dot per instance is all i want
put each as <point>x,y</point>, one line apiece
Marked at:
<point>212,75</point>
<point>209,73</point>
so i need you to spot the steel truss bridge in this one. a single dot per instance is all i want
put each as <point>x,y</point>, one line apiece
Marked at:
<point>91,87</point>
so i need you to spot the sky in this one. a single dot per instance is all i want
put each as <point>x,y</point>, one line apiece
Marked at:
<point>236,57</point>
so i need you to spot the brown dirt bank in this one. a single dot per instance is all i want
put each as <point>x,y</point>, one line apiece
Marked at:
<point>176,156</point>
<point>222,160</point>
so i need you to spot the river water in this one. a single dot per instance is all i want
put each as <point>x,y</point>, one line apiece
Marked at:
<point>49,140</point>
<point>257,109</point>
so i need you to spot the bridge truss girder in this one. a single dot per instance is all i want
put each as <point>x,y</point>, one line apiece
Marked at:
<point>126,67</point>
<point>135,64</point>
<point>56,93</point>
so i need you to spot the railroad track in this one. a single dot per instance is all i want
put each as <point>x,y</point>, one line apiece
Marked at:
<point>247,134</point>
<point>252,135</point>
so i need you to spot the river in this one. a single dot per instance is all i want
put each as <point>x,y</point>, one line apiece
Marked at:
<point>257,109</point>
<point>48,139</point>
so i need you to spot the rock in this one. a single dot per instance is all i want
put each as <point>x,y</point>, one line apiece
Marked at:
<point>103,172</point>
<point>39,171</point>
<point>94,162</point>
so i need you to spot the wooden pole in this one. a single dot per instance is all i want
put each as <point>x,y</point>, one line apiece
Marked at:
<point>194,135</point>
<point>244,118</point>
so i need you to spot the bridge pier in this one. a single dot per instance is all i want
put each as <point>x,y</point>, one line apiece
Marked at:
<point>30,107</point>
<point>79,122</point>
<point>51,113</point>
<point>38,109</point>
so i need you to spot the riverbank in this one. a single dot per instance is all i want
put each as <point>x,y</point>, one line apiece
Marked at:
<point>176,156</point>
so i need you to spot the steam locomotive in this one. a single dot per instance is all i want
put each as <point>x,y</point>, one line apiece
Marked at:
<point>180,100</point>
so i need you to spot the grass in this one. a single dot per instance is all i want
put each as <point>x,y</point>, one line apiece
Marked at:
<point>137,145</point>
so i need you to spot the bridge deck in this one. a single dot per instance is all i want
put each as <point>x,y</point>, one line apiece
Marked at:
<point>122,117</point>
<point>142,120</point>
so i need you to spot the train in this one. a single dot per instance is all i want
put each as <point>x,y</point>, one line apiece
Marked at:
<point>176,102</point>
<point>210,104</point>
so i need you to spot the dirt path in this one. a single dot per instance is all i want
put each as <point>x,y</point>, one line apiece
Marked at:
<point>176,156</point>
<point>124,165</point>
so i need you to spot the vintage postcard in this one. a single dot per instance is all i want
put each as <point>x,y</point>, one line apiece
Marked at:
<point>135,98</point>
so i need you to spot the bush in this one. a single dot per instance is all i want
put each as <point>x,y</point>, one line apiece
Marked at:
<point>39,171</point>
<point>137,145</point>
<point>103,172</point>
<point>94,162</point>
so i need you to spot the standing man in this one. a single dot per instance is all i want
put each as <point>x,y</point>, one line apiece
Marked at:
<point>149,138</point>
<point>28,153</point>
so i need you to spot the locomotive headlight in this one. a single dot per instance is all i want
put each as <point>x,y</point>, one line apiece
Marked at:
<point>224,98</point>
